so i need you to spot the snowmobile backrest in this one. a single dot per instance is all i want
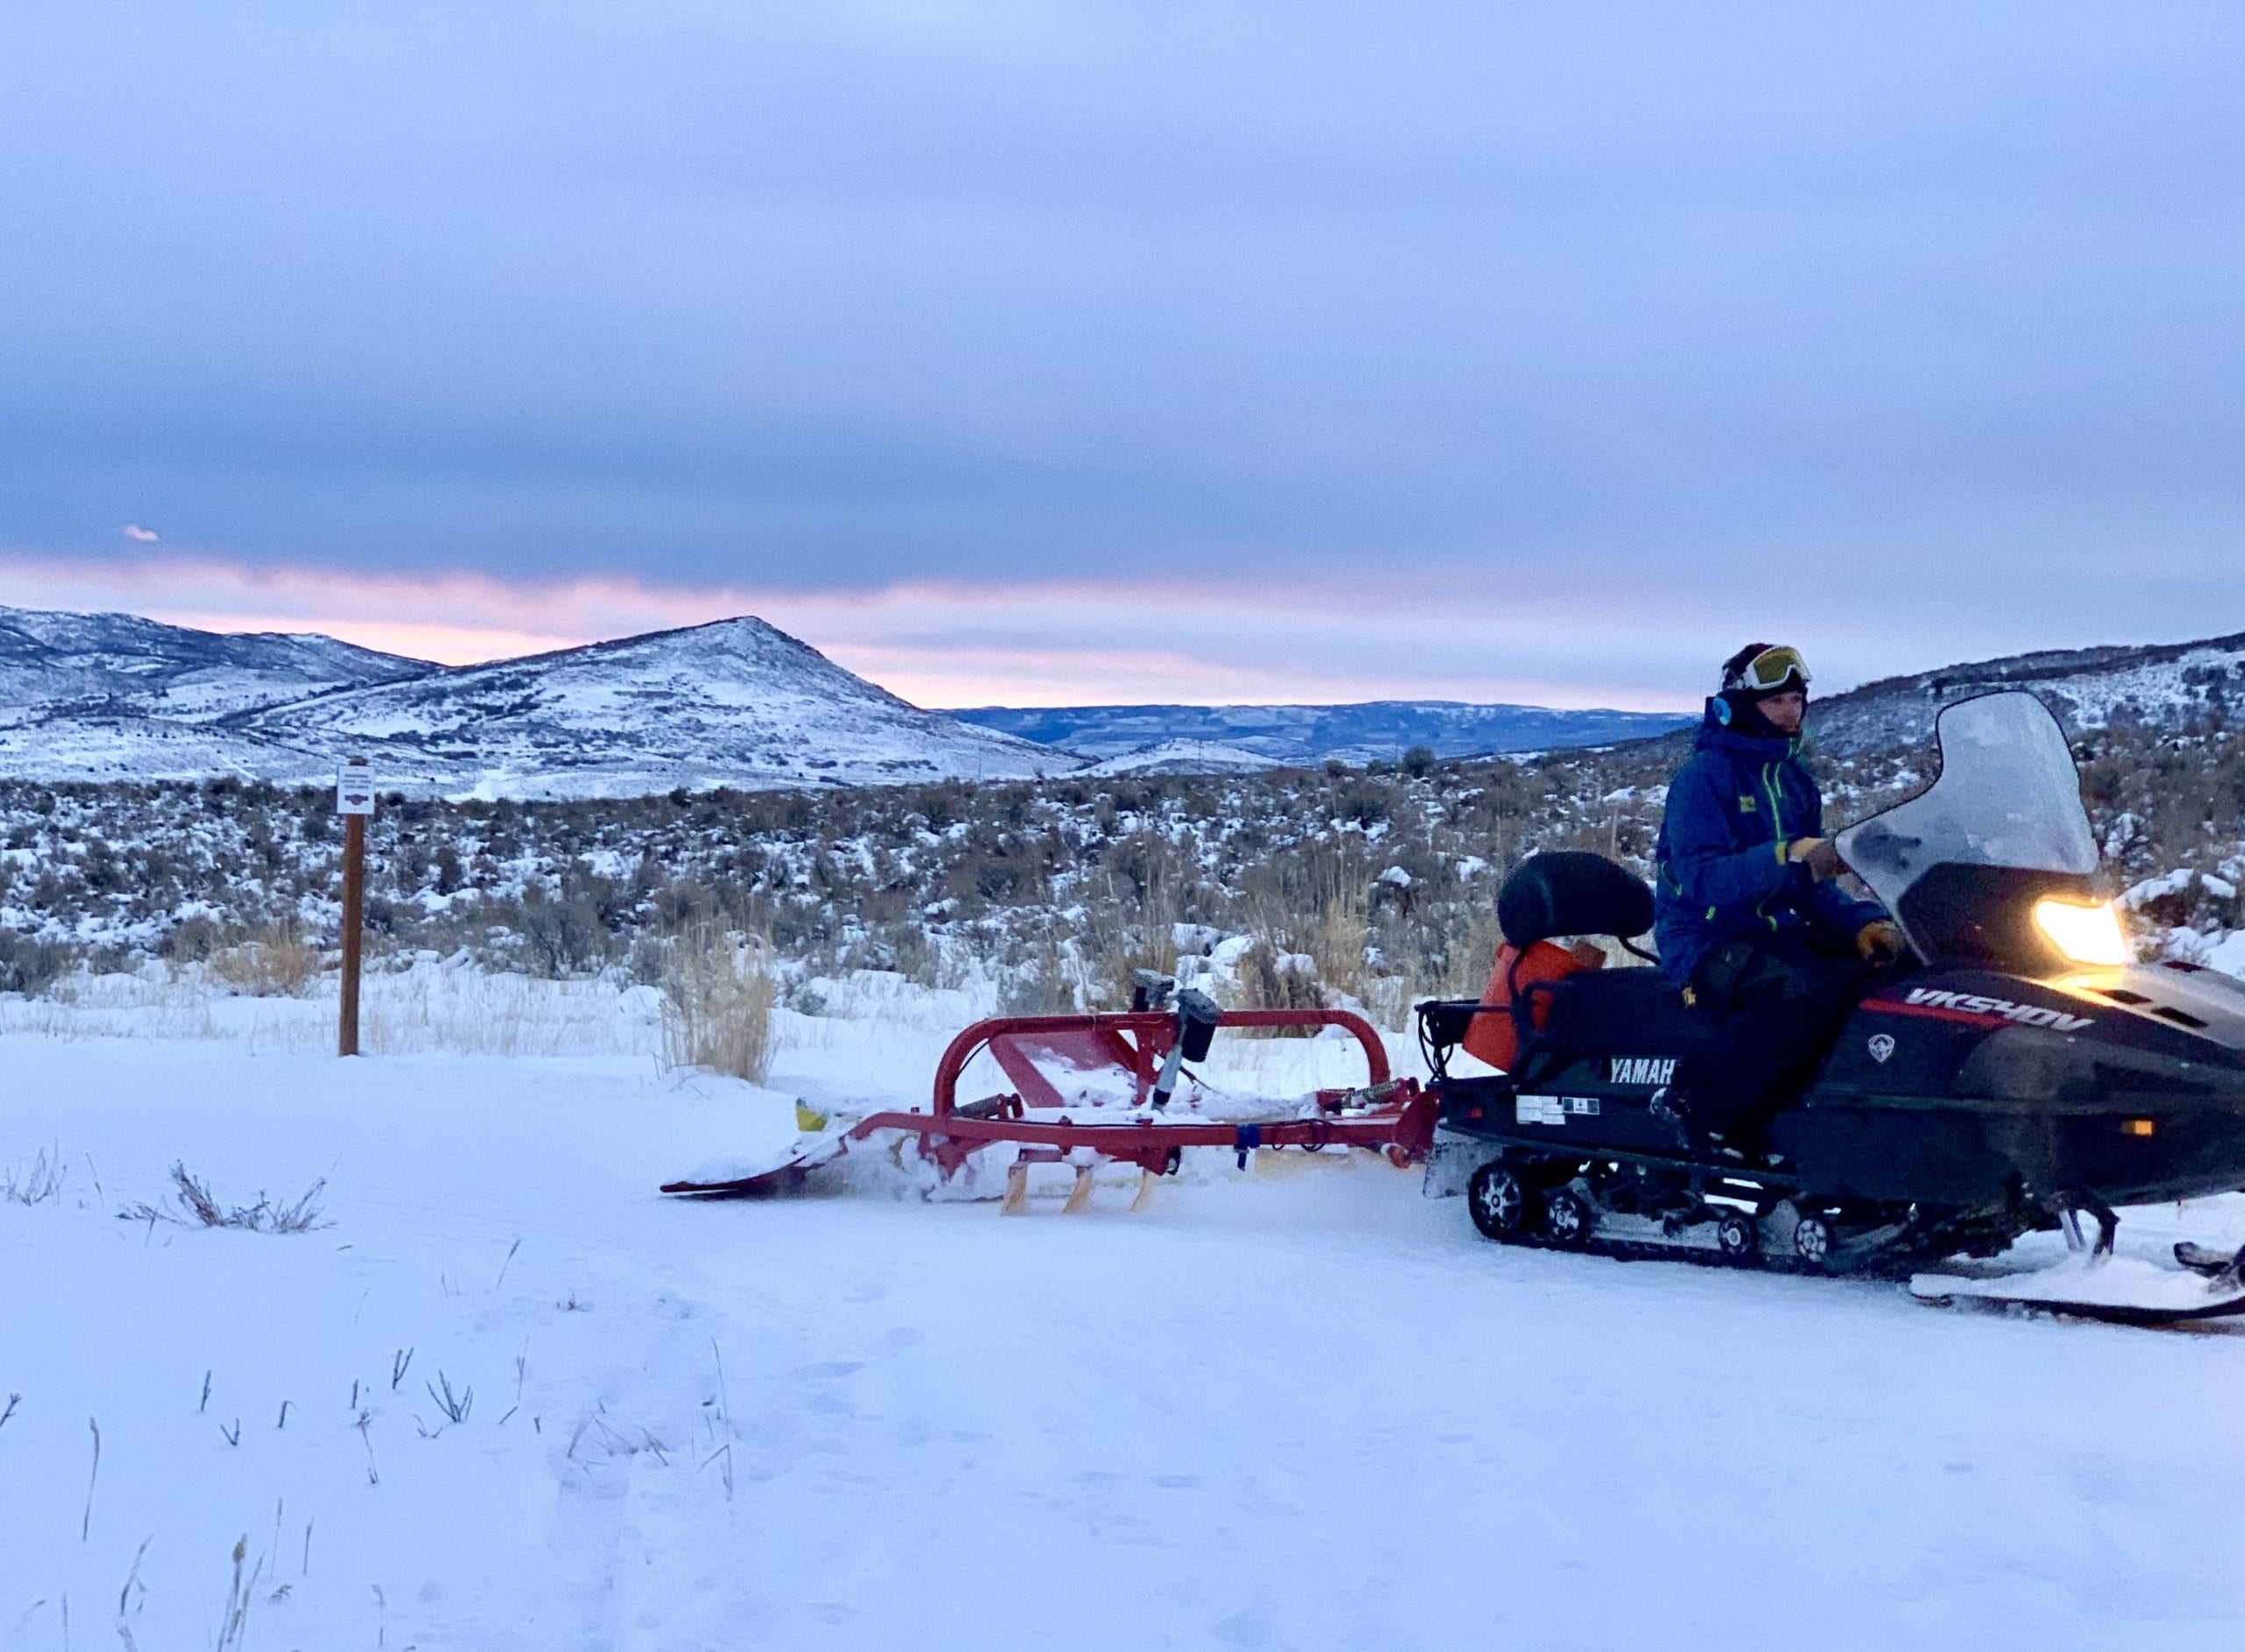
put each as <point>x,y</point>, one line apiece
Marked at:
<point>1572,892</point>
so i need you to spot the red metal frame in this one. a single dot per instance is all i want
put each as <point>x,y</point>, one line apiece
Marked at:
<point>1392,1116</point>
<point>1135,1041</point>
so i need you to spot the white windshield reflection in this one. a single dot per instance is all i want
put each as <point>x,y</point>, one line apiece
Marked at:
<point>2007,796</point>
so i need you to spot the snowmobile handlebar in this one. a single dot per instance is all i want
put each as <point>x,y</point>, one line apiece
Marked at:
<point>1149,1034</point>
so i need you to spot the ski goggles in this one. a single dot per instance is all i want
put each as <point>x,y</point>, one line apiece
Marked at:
<point>1770,670</point>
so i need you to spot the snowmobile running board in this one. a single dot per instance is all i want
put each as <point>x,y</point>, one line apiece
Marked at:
<point>1387,1114</point>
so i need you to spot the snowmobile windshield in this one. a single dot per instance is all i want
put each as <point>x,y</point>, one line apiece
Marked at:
<point>1962,863</point>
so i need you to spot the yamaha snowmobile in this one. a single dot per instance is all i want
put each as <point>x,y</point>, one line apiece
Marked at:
<point>2017,1073</point>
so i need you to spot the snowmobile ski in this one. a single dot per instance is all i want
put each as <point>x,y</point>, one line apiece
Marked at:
<point>2122,1291</point>
<point>2207,1261</point>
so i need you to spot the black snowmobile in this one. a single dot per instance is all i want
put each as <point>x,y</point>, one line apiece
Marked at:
<point>2016,1074</point>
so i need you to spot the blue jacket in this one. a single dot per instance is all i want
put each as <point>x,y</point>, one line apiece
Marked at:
<point>1733,810</point>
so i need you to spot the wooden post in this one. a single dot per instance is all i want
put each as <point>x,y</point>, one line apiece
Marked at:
<point>354,926</point>
<point>355,801</point>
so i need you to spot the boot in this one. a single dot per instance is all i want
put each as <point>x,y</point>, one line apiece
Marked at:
<point>1673,1107</point>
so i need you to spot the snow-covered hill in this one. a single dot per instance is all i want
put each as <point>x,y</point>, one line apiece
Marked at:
<point>734,704</point>
<point>109,696</point>
<point>66,667</point>
<point>2165,686</point>
<point>112,696</point>
<point>1183,757</point>
<point>1377,729</point>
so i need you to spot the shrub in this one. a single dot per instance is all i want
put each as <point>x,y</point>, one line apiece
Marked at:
<point>717,993</point>
<point>566,937</point>
<point>274,962</point>
<point>29,966</point>
<point>190,940</point>
<point>1269,979</point>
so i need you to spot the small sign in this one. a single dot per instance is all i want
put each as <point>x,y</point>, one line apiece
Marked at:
<point>355,792</point>
<point>1539,1110</point>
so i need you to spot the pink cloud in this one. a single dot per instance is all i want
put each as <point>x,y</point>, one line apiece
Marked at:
<point>943,644</point>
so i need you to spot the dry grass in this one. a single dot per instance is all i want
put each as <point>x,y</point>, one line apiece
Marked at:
<point>1041,985</point>
<point>35,1182</point>
<point>1472,951</point>
<point>1272,979</point>
<point>199,1207</point>
<point>717,991</point>
<point>1317,908</point>
<point>1134,928</point>
<point>424,1010</point>
<point>466,1012</point>
<point>1337,937</point>
<point>276,962</point>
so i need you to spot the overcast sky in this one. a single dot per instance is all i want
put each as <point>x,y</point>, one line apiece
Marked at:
<point>1038,353</point>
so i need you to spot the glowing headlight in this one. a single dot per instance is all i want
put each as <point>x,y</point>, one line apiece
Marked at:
<point>2087,935</point>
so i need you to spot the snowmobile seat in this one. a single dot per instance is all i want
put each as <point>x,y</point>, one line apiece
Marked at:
<point>1563,892</point>
<point>1632,1011</point>
<point>1558,892</point>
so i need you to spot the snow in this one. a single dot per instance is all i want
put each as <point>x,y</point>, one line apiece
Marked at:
<point>1182,757</point>
<point>1302,1408</point>
<point>2168,883</point>
<point>2227,954</point>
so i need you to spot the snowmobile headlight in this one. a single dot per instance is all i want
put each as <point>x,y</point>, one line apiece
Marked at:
<point>2087,935</point>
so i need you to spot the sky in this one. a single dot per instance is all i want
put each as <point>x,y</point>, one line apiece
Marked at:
<point>1036,353</point>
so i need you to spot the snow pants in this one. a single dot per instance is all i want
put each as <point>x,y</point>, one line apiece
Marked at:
<point>1779,1005</point>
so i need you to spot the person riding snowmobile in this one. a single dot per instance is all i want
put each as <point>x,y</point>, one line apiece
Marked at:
<point>1749,922</point>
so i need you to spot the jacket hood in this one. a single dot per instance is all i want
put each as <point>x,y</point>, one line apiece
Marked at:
<point>1715,735</point>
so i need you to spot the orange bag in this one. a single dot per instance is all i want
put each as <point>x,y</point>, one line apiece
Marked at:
<point>1494,1038</point>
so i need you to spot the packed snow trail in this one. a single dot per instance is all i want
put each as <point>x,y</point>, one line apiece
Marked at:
<point>1304,1411</point>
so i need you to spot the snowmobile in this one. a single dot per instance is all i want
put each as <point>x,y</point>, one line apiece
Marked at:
<point>2017,1073</point>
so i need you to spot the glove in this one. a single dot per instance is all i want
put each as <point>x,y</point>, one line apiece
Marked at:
<point>1879,941</point>
<point>1817,854</point>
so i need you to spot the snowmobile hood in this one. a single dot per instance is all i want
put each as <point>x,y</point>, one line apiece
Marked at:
<point>2194,1014</point>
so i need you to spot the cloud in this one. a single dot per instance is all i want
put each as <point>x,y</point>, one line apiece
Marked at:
<point>1575,631</point>
<point>134,530</point>
<point>951,644</point>
<point>1908,302</point>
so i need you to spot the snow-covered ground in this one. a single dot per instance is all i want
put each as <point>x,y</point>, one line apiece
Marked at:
<point>1304,1409</point>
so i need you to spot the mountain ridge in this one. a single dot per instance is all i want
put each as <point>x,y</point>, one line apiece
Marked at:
<point>733,703</point>
<point>1358,733</point>
<point>739,702</point>
<point>2166,684</point>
